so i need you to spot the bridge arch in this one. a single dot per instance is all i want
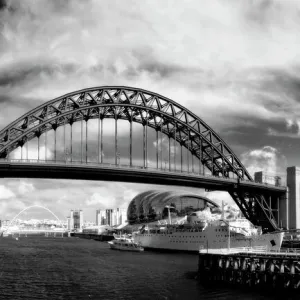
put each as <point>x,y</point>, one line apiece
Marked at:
<point>29,207</point>
<point>134,105</point>
<point>150,110</point>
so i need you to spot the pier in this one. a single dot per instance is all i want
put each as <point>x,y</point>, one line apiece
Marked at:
<point>38,232</point>
<point>250,268</point>
<point>93,236</point>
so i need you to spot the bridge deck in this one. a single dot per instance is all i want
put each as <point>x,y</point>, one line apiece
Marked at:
<point>112,172</point>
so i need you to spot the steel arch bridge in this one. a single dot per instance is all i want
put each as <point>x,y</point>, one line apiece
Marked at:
<point>29,207</point>
<point>151,110</point>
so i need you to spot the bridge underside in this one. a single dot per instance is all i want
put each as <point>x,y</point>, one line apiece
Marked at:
<point>262,209</point>
<point>251,199</point>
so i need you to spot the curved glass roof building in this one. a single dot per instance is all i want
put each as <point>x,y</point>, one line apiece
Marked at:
<point>152,205</point>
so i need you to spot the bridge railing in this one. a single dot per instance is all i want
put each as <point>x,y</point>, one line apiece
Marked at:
<point>111,165</point>
<point>124,166</point>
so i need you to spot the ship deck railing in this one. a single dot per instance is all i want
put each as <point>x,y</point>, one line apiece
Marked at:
<point>255,249</point>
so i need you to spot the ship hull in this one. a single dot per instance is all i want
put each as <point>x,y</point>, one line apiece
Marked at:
<point>211,239</point>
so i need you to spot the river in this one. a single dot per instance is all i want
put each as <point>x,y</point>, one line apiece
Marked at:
<point>73,268</point>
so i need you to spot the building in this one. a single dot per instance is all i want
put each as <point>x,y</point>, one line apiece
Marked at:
<point>76,220</point>
<point>111,217</point>
<point>100,217</point>
<point>153,206</point>
<point>5,223</point>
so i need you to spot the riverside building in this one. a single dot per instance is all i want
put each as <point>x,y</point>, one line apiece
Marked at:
<point>75,222</point>
<point>111,217</point>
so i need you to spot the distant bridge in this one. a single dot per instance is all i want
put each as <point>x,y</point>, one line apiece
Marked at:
<point>194,154</point>
<point>27,208</point>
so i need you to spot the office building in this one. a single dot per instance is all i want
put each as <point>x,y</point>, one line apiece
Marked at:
<point>100,216</point>
<point>111,217</point>
<point>76,220</point>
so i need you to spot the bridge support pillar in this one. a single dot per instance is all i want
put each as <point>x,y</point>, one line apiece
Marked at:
<point>293,197</point>
<point>278,203</point>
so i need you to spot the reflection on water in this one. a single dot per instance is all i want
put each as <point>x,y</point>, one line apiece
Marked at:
<point>72,268</point>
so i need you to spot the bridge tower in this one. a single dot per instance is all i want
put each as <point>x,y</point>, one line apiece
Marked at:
<point>278,204</point>
<point>293,185</point>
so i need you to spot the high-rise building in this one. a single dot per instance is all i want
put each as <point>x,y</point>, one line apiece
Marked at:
<point>76,220</point>
<point>111,217</point>
<point>100,217</point>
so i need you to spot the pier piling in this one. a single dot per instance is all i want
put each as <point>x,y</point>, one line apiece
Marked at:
<point>273,270</point>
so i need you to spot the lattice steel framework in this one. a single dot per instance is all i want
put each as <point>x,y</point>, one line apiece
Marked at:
<point>134,105</point>
<point>144,107</point>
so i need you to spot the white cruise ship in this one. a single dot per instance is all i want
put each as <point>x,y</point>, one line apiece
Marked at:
<point>195,233</point>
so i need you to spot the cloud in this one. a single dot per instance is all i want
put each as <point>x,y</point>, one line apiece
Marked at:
<point>25,187</point>
<point>219,197</point>
<point>229,87</point>
<point>19,153</point>
<point>112,195</point>
<point>6,193</point>
<point>267,159</point>
<point>10,209</point>
<point>202,74</point>
<point>162,143</point>
<point>97,199</point>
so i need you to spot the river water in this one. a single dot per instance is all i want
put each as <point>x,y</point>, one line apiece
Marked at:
<point>73,268</point>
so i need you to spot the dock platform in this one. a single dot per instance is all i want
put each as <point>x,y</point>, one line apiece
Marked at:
<point>250,267</point>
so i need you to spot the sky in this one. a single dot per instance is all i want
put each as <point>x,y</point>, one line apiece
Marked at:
<point>233,63</point>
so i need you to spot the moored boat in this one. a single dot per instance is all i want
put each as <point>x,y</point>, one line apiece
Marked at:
<point>125,244</point>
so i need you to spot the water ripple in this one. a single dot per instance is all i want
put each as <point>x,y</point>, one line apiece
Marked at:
<point>71,268</point>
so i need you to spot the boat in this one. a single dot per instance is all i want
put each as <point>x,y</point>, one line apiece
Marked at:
<point>125,243</point>
<point>193,233</point>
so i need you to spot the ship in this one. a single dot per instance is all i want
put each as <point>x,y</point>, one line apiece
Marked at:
<point>193,232</point>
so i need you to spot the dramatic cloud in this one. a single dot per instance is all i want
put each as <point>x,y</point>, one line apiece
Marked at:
<point>46,56</point>
<point>235,64</point>
<point>268,159</point>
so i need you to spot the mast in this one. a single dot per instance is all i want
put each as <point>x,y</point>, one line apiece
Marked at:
<point>169,214</point>
<point>222,215</point>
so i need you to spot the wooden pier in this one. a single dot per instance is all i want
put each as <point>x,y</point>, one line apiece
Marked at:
<point>250,267</point>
